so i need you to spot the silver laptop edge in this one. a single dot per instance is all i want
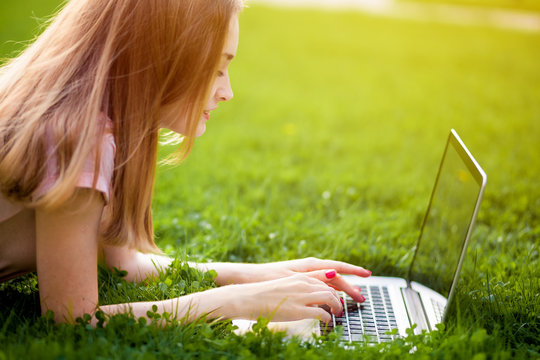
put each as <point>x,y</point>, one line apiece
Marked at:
<point>481,177</point>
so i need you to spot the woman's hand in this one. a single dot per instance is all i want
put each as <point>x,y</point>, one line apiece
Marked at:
<point>232,273</point>
<point>332,269</point>
<point>294,297</point>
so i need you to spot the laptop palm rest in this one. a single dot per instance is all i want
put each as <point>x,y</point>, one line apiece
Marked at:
<point>415,309</point>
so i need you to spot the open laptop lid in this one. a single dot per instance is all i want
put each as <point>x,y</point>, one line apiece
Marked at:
<point>449,219</point>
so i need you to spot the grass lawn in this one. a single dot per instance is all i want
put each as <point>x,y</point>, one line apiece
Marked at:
<point>330,149</point>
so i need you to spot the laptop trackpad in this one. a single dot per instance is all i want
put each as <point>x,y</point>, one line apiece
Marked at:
<point>415,309</point>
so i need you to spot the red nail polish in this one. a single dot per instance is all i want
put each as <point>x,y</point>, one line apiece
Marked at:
<point>362,298</point>
<point>342,302</point>
<point>330,274</point>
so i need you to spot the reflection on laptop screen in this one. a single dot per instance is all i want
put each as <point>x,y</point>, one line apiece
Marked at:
<point>447,221</point>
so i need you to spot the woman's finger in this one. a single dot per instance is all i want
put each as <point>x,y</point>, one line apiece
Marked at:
<point>336,281</point>
<point>345,268</point>
<point>315,312</point>
<point>325,298</point>
<point>314,281</point>
<point>314,264</point>
<point>341,284</point>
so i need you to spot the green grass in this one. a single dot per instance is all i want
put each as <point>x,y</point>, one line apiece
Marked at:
<point>330,149</point>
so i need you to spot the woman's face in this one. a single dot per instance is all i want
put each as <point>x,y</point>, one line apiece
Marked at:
<point>221,87</point>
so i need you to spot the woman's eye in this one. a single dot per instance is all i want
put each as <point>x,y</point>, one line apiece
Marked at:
<point>220,73</point>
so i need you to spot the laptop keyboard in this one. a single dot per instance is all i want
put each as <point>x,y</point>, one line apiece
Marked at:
<point>439,310</point>
<point>370,320</point>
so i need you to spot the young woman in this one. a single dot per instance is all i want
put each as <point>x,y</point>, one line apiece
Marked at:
<point>80,112</point>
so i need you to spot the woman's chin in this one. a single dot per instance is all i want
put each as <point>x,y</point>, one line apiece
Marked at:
<point>200,129</point>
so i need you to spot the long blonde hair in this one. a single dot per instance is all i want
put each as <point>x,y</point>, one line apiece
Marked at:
<point>126,59</point>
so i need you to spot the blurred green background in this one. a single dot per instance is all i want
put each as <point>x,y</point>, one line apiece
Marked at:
<point>331,146</point>
<point>524,5</point>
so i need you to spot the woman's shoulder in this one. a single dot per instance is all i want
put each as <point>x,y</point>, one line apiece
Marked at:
<point>106,166</point>
<point>107,148</point>
<point>100,181</point>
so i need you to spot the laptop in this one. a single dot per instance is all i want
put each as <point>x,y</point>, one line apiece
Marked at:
<point>397,303</point>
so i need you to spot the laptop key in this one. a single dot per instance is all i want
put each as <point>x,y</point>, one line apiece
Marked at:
<point>358,337</point>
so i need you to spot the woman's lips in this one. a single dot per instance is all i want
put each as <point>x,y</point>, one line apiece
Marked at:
<point>206,113</point>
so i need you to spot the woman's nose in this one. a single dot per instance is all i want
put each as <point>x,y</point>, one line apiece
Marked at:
<point>224,92</point>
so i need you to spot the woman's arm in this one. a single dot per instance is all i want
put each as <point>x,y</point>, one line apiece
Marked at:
<point>66,256</point>
<point>139,266</point>
<point>67,253</point>
<point>292,298</point>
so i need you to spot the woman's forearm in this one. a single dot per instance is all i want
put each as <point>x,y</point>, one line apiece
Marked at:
<point>215,303</point>
<point>289,298</point>
<point>227,273</point>
<point>139,266</point>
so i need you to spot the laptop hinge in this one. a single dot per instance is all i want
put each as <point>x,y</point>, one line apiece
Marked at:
<point>415,309</point>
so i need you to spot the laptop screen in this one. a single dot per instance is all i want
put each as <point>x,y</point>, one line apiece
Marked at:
<point>448,221</point>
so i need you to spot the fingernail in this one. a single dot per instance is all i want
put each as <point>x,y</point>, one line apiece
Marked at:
<point>362,298</point>
<point>330,274</point>
<point>342,302</point>
<point>369,272</point>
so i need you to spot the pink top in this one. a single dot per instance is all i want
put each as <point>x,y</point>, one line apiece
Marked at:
<point>17,223</point>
